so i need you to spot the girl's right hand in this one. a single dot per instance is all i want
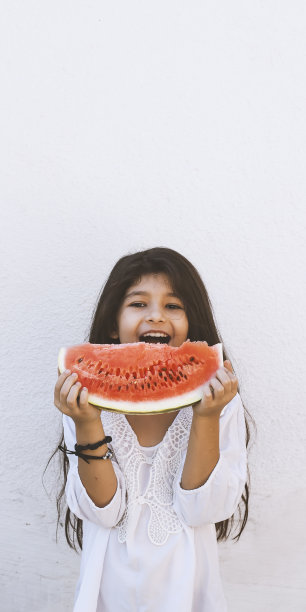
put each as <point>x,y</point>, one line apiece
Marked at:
<point>71,400</point>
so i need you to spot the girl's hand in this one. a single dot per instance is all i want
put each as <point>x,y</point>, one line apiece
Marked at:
<point>218,392</point>
<point>70,399</point>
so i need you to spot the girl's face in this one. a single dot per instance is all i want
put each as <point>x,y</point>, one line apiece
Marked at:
<point>151,312</point>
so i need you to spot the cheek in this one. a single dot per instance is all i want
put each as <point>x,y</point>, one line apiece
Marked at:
<point>128,318</point>
<point>184,327</point>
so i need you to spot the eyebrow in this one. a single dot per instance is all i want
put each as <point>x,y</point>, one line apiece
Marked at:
<point>147,293</point>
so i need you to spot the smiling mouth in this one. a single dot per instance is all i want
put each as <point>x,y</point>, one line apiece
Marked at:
<point>155,339</point>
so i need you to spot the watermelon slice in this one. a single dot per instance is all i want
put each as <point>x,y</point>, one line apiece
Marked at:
<point>140,377</point>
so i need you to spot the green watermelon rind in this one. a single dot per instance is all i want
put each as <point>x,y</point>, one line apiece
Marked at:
<point>146,407</point>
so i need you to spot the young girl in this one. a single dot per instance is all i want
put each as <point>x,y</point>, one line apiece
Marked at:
<point>152,508</point>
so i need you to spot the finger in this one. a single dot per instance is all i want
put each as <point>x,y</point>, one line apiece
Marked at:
<point>83,398</point>
<point>224,377</point>
<point>234,380</point>
<point>217,388</point>
<point>230,372</point>
<point>230,387</point>
<point>234,387</point>
<point>71,380</point>
<point>73,395</point>
<point>207,393</point>
<point>59,383</point>
<point>228,365</point>
<point>64,374</point>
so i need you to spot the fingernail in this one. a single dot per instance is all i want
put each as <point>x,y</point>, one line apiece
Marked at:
<point>67,371</point>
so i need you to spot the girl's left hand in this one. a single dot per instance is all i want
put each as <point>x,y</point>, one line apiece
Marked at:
<point>218,392</point>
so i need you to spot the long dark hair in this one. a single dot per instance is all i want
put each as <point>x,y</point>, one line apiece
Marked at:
<point>188,285</point>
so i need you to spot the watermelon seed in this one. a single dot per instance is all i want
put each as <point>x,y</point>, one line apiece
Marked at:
<point>160,374</point>
<point>81,359</point>
<point>142,386</point>
<point>148,385</point>
<point>170,376</point>
<point>155,383</point>
<point>186,377</point>
<point>165,378</point>
<point>119,387</point>
<point>100,371</point>
<point>178,378</point>
<point>191,358</point>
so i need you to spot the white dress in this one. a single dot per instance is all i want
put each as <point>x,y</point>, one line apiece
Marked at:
<point>153,548</point>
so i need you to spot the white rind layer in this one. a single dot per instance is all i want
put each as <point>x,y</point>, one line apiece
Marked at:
<point>149,407</point>
<point>61,360</point>
<point>145,407</point>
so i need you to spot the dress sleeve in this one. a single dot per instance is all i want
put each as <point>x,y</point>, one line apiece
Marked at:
<point>78,500</point>
<point>218,498</point>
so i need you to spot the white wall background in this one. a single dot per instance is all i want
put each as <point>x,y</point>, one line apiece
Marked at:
<point>126,125</point>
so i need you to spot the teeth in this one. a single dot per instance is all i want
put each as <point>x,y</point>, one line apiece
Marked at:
<point>155,335</point>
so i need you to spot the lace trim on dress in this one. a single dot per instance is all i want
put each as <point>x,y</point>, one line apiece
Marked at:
<point>165,461</point>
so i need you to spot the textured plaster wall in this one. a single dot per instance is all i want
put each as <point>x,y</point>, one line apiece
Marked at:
<point>126,125</point>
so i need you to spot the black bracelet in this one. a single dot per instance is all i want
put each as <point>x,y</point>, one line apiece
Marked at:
<point>108,454</point>
<point>80,447</point>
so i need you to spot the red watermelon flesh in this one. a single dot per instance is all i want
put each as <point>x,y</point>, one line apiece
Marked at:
<point>140,377</point>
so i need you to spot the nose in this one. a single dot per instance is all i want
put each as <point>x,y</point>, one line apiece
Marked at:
<point>155,314</point>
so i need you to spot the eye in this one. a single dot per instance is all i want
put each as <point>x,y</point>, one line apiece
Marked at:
<point>138,304</point>
<point>174,306</point>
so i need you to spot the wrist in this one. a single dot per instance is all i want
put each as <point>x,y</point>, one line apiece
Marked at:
<point>211,418</point>
<point>206,428</point>
<point>89,433</point>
